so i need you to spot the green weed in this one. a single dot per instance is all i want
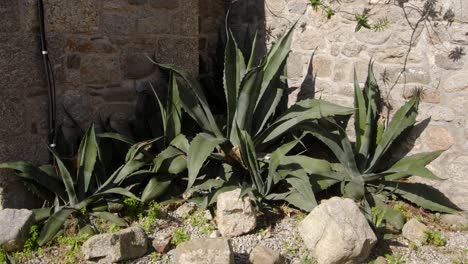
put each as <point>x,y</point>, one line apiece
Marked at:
<point>180,235</point>
<point>74,243</point>
<point>435,238</point>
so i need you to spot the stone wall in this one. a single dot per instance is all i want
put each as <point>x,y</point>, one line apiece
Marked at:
<point>432,64</point>
<point>98,51</point>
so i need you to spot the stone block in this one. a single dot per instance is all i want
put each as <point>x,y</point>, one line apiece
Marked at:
<point>127,244</point>
<point>456,82</point>
<point>180,51</point>
<point>337,232</point>
<point>161,22</point>
<point>235,216</point>
<point>443,61</point>
<point>9,16</point>
<point>71,16</point>
<point>86,44</point>
<point>204,250</point>
<point>118,23</point>
<point>20,62</point>
<point>414,231</point>
<point>164,4</point>
<point>137,65</point>
<point>437,138</point>
<point>97,69</point>
<point>14,228</point>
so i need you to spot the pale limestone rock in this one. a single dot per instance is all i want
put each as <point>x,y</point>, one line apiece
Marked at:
<point>129,243</point>
<point>14,228</point>
<point>337,232</point>
<point>454,220</point>
<point>456,83</point>
<point>414,231</point>
<point>235,216</point>
<point>263,255</point>
<point>204,251</point>
<point>437,138</point>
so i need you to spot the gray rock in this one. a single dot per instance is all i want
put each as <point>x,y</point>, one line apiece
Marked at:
<point>204,250</point>
<point>263,255</point>
<point>454,220</point>
<point>337,232</point>
<point>14,228</point>
<point>129,243</point>
<point>235,216</point>
<point>414,231</point>
<point>185,210</point>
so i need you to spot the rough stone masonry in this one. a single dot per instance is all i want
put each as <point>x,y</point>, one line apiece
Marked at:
<point>98,51</point>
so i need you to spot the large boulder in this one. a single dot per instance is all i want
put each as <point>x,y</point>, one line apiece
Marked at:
<point>129,243</point>
<point>414,231</point>
<point>235,216</point>
<point>14,228</point>
<point>203,251</point>
<point>337,232</point>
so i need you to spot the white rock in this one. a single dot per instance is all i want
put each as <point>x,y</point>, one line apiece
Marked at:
<point>235,216</point>
<point>185,210</point>
<point>204,251</point>
<point>414,231</point>
<point>14,228</point>
<point>129,243</point>
<point>337,232</point>
<point>263,255</point>
<point>454,220</point>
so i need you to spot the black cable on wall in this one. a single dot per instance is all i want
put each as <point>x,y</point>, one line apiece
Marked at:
<point>52,113</point>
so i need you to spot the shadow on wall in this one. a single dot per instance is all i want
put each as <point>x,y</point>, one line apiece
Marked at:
<point>246,20</point>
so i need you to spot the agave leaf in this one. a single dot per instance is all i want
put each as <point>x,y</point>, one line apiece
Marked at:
<point>299,201</point>
<point>300,180</point>
<point>97,196</point>
<point>174,111</point>
<point>270,100</point>
<point>200,149</point>
<point>180,142</point>
<point>404,118</point>
<point>170,158</point>
<point>162,109</point>
<point>234,70</point>
<point>67,179</point>
<point>249,158</point>
<point>28,171</point>
<point>246,102</point>
<point>53,225</point>
<point>110,218</point>
<point>194,101</point>
<point>140,148</point>
<point>154,189</point>
<point>334,137</point>
<point>87,157</point>
<point>423,195</point>
<point>414,165</point>
<point>252,52</point>
<point>276,159</point>
<point>126,170</point>
<point>359,112</point>
<point>372,98</point>
<point>301,112</point>
<point>41,214</point>
<point>117,136</point>
<point>275,60</point>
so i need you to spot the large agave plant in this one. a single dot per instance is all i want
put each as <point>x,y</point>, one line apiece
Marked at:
<point>257,131</point>
<point>366,167</point>
<point>82,189</point>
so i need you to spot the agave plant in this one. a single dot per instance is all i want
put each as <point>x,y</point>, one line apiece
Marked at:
<point>87,191</point>
<point>366,168</point>
<point>256,131</point>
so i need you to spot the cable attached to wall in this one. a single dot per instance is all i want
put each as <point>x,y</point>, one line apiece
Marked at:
<point>52,120</point>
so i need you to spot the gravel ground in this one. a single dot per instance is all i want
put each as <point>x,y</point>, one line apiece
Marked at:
<point>282,236</point>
